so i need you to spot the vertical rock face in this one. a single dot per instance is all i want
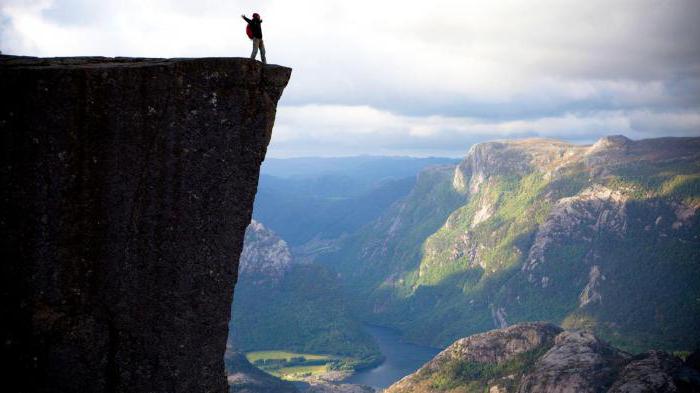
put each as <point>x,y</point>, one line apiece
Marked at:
<point>127,188</point>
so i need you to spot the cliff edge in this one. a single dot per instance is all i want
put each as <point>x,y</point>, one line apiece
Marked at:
<point>127,188</point>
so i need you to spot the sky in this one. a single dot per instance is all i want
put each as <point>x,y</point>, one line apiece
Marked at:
<point>420,78</point>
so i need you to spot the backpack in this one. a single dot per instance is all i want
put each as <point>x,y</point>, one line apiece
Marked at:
<point>249,31</point>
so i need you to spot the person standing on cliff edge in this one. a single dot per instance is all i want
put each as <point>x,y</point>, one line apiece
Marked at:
<point>257,37</point>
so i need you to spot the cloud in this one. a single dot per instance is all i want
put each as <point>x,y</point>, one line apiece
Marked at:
<point>488,62</point>
<point>326,130</point>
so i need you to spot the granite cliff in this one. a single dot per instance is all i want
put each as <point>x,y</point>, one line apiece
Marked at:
<point>127,188</point>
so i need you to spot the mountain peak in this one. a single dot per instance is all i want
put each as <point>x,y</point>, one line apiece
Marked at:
<point>516,157</point>
<point>610,142</point>
<point>265,257</point>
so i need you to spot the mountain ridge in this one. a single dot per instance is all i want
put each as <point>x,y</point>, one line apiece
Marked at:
<point>585,210</point>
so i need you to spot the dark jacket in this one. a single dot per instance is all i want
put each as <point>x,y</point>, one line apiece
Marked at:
<point>255,26</point>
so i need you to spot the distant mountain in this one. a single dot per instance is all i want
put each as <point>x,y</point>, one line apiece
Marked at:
<point>364,169</point>
<point>605,237</point>
<point>265,257</point>
<point>542,358</point>
<point>282,305</point>
<point>316,199</point>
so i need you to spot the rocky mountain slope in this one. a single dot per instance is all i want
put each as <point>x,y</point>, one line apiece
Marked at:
<point>127,188</point>
<point>542,358</point>
<point>605,237</point>
<point>265,257</point>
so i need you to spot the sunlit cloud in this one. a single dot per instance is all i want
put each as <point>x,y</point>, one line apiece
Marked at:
<point>326,130</point>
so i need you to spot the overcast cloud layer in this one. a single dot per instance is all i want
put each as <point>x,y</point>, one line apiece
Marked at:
<point>415,78</point>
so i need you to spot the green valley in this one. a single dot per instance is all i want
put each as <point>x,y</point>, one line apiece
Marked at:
<point>290,365</point>
<point>604,237</point>
<point>298,366</point>
<point>306,204</point>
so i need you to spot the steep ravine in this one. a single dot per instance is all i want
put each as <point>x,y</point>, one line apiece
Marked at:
<point>127,188</point>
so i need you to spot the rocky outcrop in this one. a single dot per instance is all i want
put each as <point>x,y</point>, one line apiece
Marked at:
<point>127,188</point>
<point>265,257</point>
<point>496,346</point>
<point>581,217</point>
<point>541,358</point>
<point>578,362</point>
<point>512,158</point>
<point>657,372</point>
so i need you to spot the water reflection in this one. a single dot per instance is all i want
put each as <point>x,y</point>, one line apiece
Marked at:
<point>401,359</point>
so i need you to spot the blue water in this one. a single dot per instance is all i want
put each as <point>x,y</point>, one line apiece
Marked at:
<point>401,359</point>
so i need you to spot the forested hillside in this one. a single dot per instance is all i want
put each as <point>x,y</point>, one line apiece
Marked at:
<point>282,305</point>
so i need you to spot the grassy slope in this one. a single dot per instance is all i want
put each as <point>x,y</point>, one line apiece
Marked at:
<point>319,364</point>
<point>451,296</point>
<point>392,244</point>
<point>474,377</point>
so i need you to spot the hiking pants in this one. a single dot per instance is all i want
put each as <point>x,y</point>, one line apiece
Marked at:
<point>258,43</point>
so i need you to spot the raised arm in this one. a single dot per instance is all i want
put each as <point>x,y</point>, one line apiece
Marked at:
<point>245,19</point>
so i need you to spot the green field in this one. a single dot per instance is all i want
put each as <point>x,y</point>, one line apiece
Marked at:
<point>292,366</point>
<point>282,355</point>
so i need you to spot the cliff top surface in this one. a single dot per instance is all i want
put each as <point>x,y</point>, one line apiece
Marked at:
<point>101,61</point>
<point>273,73</point>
